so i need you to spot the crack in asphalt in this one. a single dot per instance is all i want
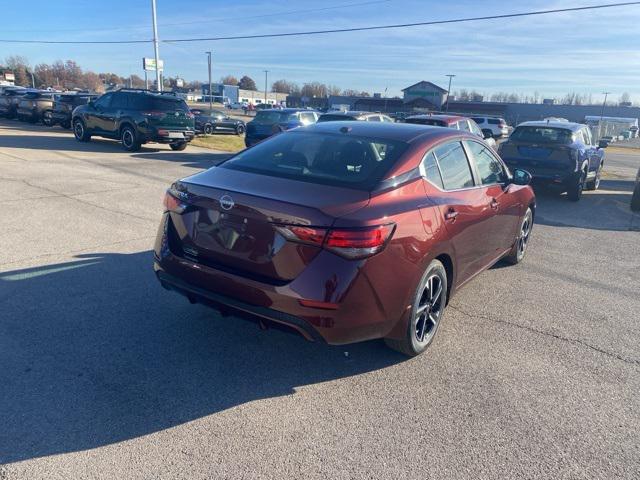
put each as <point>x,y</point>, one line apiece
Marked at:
<point>574,341</point>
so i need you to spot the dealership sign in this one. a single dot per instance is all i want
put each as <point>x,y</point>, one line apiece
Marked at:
<point>149,64</point>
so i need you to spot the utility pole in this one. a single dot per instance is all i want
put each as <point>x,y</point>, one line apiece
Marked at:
<point>210,92</point>
<point>606,94</point>
<point>155,45</point>
<point>266,72</point>
<point>385,99</point>
<point>449,90</point>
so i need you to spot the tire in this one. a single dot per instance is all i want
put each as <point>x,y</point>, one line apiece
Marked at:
<point>595,183</point>
<point>517,253</point>
<point>240,129</point>
<point>635,198</point>
<point>574,193</point>
<point>486,131</point>
<point>178,146</point>
<point>80,131</point>
<point>208,129</point>
<point>129,139</point>
<point>430,299</point>
<point>46,119</point>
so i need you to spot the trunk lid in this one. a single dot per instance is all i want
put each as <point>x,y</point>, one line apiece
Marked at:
<point>231,222</point>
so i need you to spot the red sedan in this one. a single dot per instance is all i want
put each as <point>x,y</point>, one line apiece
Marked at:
<point>345,231</point>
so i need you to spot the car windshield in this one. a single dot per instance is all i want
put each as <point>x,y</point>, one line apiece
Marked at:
<point>531,134</point>
<point>330,159</point>
<point>31,95</point>
<point>270,117</point>
<point>427,121</point>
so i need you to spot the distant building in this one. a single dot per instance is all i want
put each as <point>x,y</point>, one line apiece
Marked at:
<point>430,94</point>
<point>221,93</point>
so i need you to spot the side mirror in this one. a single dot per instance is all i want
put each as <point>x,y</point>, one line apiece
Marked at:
<point>603,144</point>
<point>521,177</point>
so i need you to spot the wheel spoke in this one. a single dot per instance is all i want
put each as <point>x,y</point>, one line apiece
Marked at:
<point>436,295</point>
<point>421,328</point>
<point>422,308</point>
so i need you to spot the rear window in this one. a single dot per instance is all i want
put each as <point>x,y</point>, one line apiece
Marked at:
<point>270,117</point>
<point>327,117</point>
<point>427,121</point>
<point>530,134</point>
<point>330,159</point>
<point>148,102</point>
<point>478,119</point>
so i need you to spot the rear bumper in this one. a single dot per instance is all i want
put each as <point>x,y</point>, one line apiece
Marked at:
<point>171,136</point>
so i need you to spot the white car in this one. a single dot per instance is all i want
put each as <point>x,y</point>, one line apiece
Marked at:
<point>494,125</point>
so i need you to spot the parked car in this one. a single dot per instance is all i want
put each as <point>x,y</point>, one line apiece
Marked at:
<point>136,117</point>
<point>355,115</point>
<point>495,126</point>
<point>270,122</point>
<point>635,198</point>
<point>216,121</point>
<point>63,107</point>
<point>33,104</point>
<point>238,105</point>
<point>345,231</point>
<point>264,106</point>
<point>562,154</point>
<point>9,101</point>
<point>452,121</point>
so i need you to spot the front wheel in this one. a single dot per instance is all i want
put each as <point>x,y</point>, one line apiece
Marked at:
<point>80,131</point>
<point>635,199</point>
<point>47,121</point>
<point>129,139</point>
<point>516,255</point>
<point>208,129</point>
<point>595,183</point>
<point>575,191</point>
<point>429,302</point>
<point>239,129</point>
<point>178,146</point>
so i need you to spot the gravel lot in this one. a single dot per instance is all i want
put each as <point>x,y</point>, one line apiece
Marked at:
<point>535,372</point>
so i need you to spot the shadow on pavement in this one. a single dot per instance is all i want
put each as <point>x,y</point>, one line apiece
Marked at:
<point>188,159</point>
<point>95,352</point>
<point>607,208</point>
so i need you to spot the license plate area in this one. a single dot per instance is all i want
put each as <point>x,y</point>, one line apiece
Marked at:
<point>175,135</point>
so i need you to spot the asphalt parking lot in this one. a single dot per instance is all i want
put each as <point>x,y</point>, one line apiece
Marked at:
<point>535,372</point>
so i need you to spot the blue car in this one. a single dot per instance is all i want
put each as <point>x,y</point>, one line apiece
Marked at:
<point>270,122</point>
<point>558,153</point>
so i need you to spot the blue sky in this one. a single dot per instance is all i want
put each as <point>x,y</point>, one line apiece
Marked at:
<point>586,52</point>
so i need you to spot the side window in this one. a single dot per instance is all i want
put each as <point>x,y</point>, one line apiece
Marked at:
<point>119,100</point>
<point>464,126</point>
<point>373,118</point>
<point>454,166</point>
<point>431,170</point>
<point>478,120</point>
<point>489,167</point>
<point>104,101</point>
<point>494,121</point>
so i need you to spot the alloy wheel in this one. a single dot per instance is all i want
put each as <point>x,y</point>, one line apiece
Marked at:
<point>429,311</point>
<point>523,239</point>
<point>78,130</point>
<point>127,138</point>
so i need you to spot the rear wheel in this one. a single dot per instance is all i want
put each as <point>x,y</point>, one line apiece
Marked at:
<point>208,129</point>
<point>80,131</point>
<point>595,183</point>
<point>428,308</point>
<point>574,193</point>
<point>178,146</point>
<point>46,118</point>
<point>239,129</point>
<point>635,199</point>
<point>516,255</point>
<point>129,139</point>
<point>487,133</point>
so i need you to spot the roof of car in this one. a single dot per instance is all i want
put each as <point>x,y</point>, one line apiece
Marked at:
<point>287,110</point>
<point>350,113</point>
<point>443,117</point>
<point>544,123</point>
<point>403,132</point>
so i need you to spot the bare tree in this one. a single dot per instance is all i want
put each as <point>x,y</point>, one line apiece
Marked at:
<point>247,83</point>
<point>229,80</point>
<point>625,98</point>
<point>314,89</point>
<point>284,86</point>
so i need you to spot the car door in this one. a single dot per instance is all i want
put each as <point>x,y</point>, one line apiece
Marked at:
<point>594,154</point>
<point>505,206</point>
<point>465,210</point>
<point>117,109</point>
<point>96,116</point>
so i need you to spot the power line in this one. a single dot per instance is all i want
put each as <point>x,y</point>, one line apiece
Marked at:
<point>337,30</point>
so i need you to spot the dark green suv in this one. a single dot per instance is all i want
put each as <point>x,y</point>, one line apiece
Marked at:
<point>135,117</point>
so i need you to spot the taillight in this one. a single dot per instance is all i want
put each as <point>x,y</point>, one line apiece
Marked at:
<point>172,203</point>
<point>348,243</point>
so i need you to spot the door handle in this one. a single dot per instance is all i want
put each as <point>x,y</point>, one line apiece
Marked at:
<point>451,215</point>
<point>495,204</point>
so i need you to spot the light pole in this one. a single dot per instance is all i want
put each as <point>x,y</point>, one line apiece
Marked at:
<point>604,102</point>
<point>210,92</point>
<point>385,99</point>
<point>266,73</point>
<point>155,45</point>
<point>449,90</point>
